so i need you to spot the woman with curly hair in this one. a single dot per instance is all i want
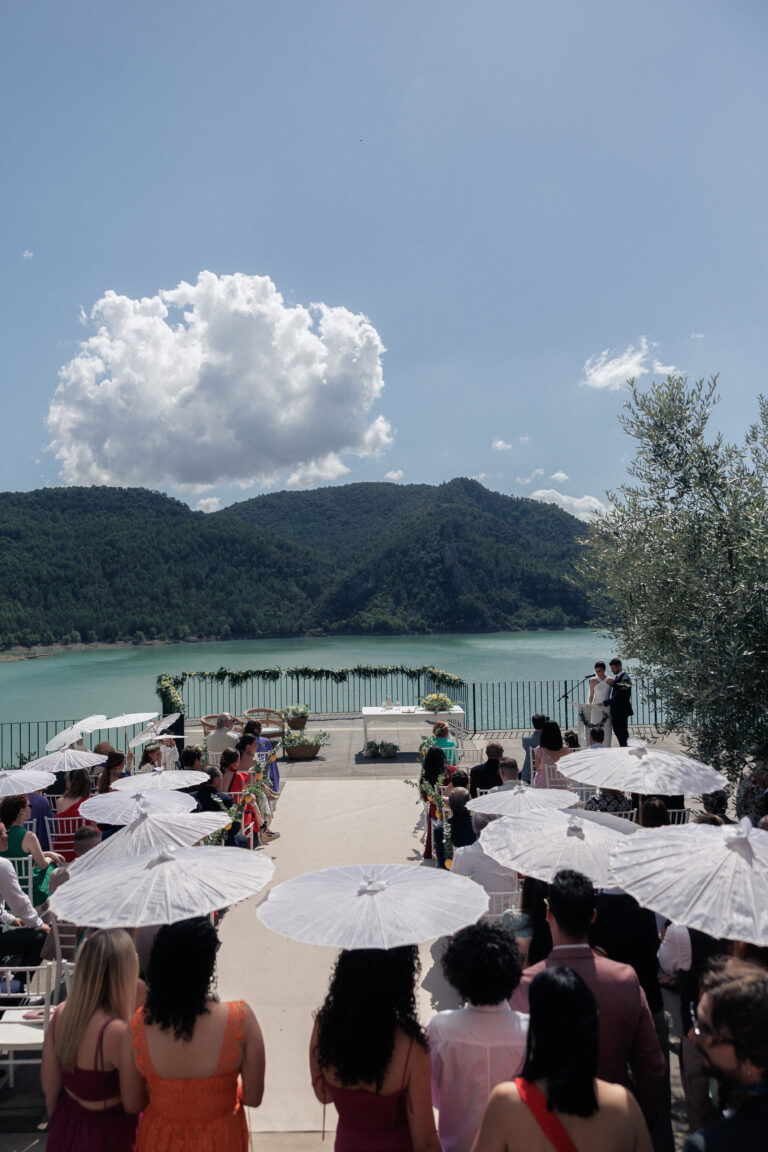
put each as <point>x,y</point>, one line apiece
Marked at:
<point>81,1054</point>
<point>14,813</point>
<point>368,1054</point>
<point>189,1063</point>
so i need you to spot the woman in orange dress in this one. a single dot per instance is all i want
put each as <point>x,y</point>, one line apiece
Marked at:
<point>190,1063</point>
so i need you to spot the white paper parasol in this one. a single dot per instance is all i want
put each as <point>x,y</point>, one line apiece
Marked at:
<point>713,879</point>
<point>124,807</point>
<point>521,799</point>
<point>17,781</point>
<point>126,719</point>
<point>156,731</point>
<point>65,760</point>
<point>150,832</point>
<point>539,844</point>
<point>372,906</point>
<point>160,780</point>
<point>171,885</point>
<point>72,734</point>
<point>641,768</point>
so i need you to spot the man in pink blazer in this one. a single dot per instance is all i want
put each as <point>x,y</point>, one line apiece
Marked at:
<point>629,1052</point>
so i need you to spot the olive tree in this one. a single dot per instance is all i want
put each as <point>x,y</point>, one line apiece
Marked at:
<point>679,568</point>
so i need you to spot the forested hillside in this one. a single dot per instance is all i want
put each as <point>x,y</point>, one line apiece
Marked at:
<point>101,564</point>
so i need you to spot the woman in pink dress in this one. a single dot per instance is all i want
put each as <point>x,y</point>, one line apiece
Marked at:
<point>369,1056</point>
<point>550,751</point>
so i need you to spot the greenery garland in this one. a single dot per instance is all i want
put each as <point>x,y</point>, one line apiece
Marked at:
<point>168,687</point>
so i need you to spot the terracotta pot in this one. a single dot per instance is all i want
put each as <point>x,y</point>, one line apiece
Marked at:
<point>298,723</point>
<point>302,752</point>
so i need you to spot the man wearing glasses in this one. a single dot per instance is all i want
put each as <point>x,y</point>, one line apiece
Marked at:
<point>731,1029</point>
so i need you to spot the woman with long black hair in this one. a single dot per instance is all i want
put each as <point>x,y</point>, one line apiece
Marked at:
<point>368,1054</point>
<point>433,770</point>
<point>556,1102</point>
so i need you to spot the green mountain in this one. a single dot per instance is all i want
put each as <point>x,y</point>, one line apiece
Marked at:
<point>110,563</point>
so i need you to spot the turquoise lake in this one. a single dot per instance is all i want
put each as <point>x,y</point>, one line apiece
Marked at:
<point>71,684</point>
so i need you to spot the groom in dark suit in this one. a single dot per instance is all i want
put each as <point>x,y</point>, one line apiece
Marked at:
<point>620,702</point>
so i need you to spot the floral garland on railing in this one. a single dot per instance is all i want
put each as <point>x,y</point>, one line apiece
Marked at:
<point>168,687</point>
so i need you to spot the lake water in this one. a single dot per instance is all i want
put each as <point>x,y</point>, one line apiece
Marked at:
<point>114,680</point>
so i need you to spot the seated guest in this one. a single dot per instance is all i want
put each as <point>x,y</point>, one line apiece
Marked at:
<point>474,1048</point>
<point>509,775</point>
<point>529,924</point>
<point>233,781</point>
<point>432,772</point>
<point>459,779</point>
<point>460,822</point>
<point>472,861</point>
<point>442,736</point>
<point>253,728</point>
<point>530,743</point>
<point>731,1029</point>
<point>653,813</point>
<point>557,1101</point>
<point>113,769</point>
<point>83,840</point>
<point>486,776</point>
<point>191,758</point>
<point>551,749</point>
<point>608,800</point>
<point>151,757</point>
<point>40,807</point>
<point>23,934</point>
<point>14,812</point>
<point>571,739</point>
<point>222,738</point>
<point>68,808</point>
<point>248,746</point>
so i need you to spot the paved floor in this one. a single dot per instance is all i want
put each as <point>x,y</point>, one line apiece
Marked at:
<point>340,808</point>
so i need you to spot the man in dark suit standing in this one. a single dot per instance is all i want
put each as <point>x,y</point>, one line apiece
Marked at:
<point>626,1035</point>
<point>620,702</point>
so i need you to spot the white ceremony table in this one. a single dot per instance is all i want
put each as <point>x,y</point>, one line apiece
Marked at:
<point>407,715</point>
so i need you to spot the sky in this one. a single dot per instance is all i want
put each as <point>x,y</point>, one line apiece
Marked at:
<point>262,245</point>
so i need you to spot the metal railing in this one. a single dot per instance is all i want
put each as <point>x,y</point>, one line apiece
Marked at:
<point>26,739</point>
<point>507,705</point>
<point>207,698</point>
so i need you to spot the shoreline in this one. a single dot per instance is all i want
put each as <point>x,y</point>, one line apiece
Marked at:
<point>46,651</point>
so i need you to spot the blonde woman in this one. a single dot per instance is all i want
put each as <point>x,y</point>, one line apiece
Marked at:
<point>81,1054</point>
<point>442,735</point>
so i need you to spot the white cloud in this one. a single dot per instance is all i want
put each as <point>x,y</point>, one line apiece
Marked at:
<point>395,474</point>
<point>559,477</point>
<point>501,446</point>
<point>216,381</point>
<point>208,504</point>
<point>610,373</point>
<point>479,476</point>
<point>524,438</point>
<point>529,479</point>
<point>27,255</point>
<point>582,507</point>
<point>697,335</point>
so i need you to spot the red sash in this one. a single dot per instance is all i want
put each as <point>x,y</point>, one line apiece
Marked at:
<point>548,1121</point>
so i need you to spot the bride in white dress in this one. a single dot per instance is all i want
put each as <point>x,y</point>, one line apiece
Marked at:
<point>599,690</point>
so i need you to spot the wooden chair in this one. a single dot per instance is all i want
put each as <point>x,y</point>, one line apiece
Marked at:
<point>272,722</point>
<point>22,1028</point>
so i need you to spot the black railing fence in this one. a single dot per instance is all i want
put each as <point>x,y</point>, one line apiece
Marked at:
<point>208,697</point>
<point>488,707</point>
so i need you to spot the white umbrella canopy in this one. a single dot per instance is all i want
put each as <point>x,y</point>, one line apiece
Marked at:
<point>521,799</point>
<point>539,844</point>
<point>161,888</point>
<point>125,807</point>
<point>713,879</point>
<point>160,780</point>
<point>150,832</point>
<point>17,781</point>
<point>126,719</point>
<point>65,760</point>
<point>156,731</point>
<point>641,768</point>
<point>372,906</point>
<point>72,734</point>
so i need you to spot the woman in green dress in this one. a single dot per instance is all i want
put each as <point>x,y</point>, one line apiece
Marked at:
<point>14,810</point>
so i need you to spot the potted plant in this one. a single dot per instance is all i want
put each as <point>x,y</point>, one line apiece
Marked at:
<point>296,716</point>
<point>388,750</point>
<point>437,702</point>
<point>304,745</point>
<point>371,750</point>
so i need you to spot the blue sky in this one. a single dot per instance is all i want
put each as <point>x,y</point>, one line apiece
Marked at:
<point>500,210</point>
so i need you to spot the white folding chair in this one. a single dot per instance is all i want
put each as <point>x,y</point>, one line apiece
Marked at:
<point>61,833</point>
<point>23,1027</point>
<point>631,814</point>
<point>679,815</point>
<point>24,866</point>
<point>499,902</point>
